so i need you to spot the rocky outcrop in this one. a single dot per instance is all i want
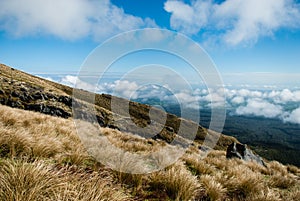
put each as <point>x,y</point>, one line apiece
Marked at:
<point>26,96</point>
<point>241,151</point>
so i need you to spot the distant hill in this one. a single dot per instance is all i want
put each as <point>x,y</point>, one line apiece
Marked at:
<point>43,158</point>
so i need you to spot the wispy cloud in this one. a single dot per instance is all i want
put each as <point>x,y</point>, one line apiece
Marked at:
<point>67,19</point>
<point>234,22</point>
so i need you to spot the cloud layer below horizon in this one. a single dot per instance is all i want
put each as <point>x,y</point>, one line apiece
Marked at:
<point>283,104</point>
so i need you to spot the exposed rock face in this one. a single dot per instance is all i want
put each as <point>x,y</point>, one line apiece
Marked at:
<point>241,151</point>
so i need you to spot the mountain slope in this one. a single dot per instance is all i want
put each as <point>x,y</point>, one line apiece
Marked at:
<point>24,91</point>
<point>42,158</point>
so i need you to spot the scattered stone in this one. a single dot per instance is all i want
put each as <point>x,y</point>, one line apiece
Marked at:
<point>15,104</point>
<point>23,89</point>
<point>15,94</point>
<point>37,95</point>
<point>65,100</point>
<point>112,126</point>
<point>101,120</point>
<point>170,129</point>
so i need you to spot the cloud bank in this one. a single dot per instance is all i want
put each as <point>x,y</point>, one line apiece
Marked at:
<point>283,104</point>
<point>236,22</point>
<point>67,19</point>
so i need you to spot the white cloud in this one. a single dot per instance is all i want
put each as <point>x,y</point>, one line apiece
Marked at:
<point>293,117</point>
<point>238,100</point>
<point>120,88</point>
<point>186,18</point>
<point>259,107</point>
<point>284,96</point>
<point>74,81</point>
<point>125,88</point>
<point>66,19</point>
<point>187,100</point>
<point>237,21</point>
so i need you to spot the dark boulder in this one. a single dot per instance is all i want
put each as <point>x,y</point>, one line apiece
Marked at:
<point>65,100</point>
<point>15,104</point>
<point>112,126</point>
<point>170,129</point>
<point>15,94</point>
<point>47,109</point>
<point>38,96</point>
<point>101,120</point>
<point>241,151</point>
<point>23,89</point>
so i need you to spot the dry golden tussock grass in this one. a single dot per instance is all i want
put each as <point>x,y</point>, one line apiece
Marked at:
<point>42,158</point>
<point>35,134</point>
<point>275,167</point>
<point>177,181</point>
<point>265,195</point>
<point>280,181</point>
<point>255,167</point>
<point>242,182</point>
<point>131,142</point>
<point>23,181</point>
<point>198,166</point>
<point>212,189</point>
<point>293,169</point>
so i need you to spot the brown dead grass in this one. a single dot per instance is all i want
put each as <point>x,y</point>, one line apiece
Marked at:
<point>177,181</point>
<point>42,158</point>
<point>23,181</point>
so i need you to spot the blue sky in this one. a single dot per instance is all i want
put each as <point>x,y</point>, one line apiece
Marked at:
<point>241,36</point>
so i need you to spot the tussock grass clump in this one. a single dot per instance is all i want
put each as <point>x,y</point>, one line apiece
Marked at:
<point>177,181</point>
<point>131,142</point>
<point>13,143</point>
<point>277,168</point>
<point>24,181</point>
<point>212,189</point>
<point>293,169</point>
<point>39,136</point>
<point>80,185</point>
<point>255,167</point>
<point>280,181</point>
<point>265,195</point>
<point>242,182</point>
<point>220,163</point>
<point>197,165</point>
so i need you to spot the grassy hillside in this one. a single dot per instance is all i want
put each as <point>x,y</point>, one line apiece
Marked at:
<point>42,158</point>
<point>24,91</point>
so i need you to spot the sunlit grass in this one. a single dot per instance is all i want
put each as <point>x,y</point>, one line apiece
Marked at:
<point>42,158</point>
